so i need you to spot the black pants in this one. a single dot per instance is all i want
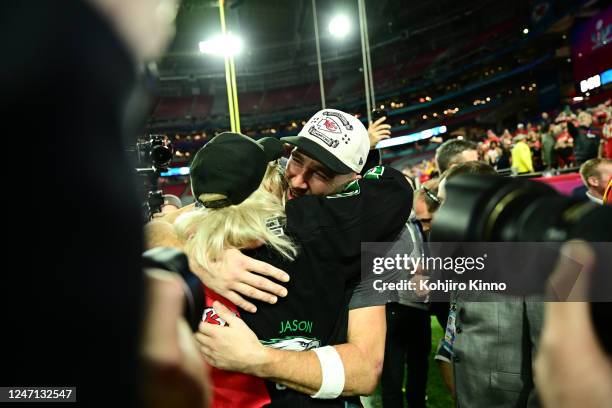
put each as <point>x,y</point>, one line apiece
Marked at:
<point>440,310</point>
<point>408,344</point>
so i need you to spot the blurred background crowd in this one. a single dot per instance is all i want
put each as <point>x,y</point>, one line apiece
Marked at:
<point>479,70</point>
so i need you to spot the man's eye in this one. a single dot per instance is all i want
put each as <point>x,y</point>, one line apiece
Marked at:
<point>322,176</point>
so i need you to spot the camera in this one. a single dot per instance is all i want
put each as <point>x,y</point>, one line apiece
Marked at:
<point>379,113</point>
<point>499,209</point>
<point>506,210</point>
<point>173,260</point>
<point>153,157</point>
<point>156,152</point>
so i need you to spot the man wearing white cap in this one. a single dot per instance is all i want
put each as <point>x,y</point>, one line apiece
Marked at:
<point>330,153</point>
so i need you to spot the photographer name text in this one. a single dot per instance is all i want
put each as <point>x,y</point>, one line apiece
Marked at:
<point>448,285</point>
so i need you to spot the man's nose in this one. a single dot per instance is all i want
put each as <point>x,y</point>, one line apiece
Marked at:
<point>299,180</point>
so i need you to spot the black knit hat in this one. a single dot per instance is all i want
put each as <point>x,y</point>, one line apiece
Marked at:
<point>233,165</point>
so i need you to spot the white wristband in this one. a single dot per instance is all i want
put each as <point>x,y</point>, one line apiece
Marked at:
<point>332,373</point>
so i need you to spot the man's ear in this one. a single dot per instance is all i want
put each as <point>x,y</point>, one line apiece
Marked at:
<point>593,181</point>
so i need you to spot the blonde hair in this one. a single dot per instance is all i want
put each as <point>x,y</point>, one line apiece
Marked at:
<point>274,181</point>
<point>207,232</point>
<point>591,168</point>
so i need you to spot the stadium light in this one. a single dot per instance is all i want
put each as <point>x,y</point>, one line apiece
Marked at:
<point>339,26</point>
<point>590,84</point>
<point>525,31</point>
<point>413,137</point>
<point>223,45</point>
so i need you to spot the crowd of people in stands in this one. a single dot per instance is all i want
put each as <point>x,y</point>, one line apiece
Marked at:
<point>567,140</point>
<point>554,142</point>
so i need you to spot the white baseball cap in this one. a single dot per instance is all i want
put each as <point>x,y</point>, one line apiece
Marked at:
<point>336,139</point>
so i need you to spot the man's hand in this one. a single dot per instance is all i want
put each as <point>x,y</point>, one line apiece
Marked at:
<point>233,347</point>
<point>378,131</point>
<point>159,233</point>
<point>172,216</point>
<point>571,368</point>
<point>237,276</point>
<point>448,377</point>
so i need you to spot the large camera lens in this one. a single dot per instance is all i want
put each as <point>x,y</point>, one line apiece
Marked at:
<point>491,208</point>
<point>495,209</point>
<point>161,151</point>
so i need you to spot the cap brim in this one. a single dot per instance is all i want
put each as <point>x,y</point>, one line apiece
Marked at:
<point>273,148</point>
<point>318,153</point>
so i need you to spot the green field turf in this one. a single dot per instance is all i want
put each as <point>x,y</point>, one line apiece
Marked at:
<point>437,395</point>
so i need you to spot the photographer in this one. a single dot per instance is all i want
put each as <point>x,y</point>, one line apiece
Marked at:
<point>492,339</point>
<point>495,343</point>
<point>73,305</point>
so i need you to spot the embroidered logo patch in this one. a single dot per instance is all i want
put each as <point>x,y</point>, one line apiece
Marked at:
<point>323,137</point>
<point>211,316</point>
<point>338,115</point>
<point>275,226</point>
<point>328,125</point>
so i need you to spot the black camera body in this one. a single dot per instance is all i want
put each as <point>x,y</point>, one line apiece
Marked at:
<point>156,152</point>
<point>153,157</point>
<point>379,113</point>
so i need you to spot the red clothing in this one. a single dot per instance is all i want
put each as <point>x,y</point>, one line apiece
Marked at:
<point>607,137</point>
<point>564,137</point>
<point>231,389</point>
<point>520,132</point>
<point>424,177</point>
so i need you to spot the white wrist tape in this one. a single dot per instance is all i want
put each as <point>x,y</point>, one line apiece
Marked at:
<point>332,373</point>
